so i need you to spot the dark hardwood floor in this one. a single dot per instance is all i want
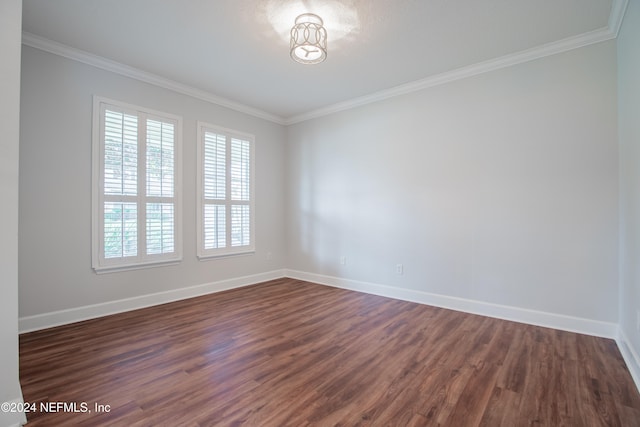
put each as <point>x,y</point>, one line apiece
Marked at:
<point>292,353</point>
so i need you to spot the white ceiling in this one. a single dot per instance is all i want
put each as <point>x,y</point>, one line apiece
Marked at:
<point>238,49</point>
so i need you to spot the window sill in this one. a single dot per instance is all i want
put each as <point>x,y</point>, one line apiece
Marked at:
<point>137,266</point>
<point>226,255</point>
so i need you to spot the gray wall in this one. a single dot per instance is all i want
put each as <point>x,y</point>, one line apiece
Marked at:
<point>501,188</point>
<point>629,133</point>
<point>55,188</point>
<point>10,41</point>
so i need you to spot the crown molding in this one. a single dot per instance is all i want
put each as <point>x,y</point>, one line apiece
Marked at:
<point>78,55</point>
<point>553,48</point>
<point>616,16</point>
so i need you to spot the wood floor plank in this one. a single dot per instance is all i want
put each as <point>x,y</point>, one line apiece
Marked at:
<point>293,353</point>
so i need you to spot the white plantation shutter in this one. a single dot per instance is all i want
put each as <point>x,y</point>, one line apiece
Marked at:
<point>120,230</point>
<point>215,226</point>
<point>240,226</point>
<point>120,185</point>
<point>160,158</point>
<point>215,190</point>
<point>120,153</point>
<point>136,205</point>
<point>240,178</point>
<point>215,161</point>
<point>225,177</point>
<point>160,187</point>
<point>160,228</point>
<point>240,163</point>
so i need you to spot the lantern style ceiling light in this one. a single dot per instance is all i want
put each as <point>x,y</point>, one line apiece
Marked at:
<point>308,39</point>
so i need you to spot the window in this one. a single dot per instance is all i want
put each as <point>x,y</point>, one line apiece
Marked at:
<point>225,192</point>
<point>136,186</point>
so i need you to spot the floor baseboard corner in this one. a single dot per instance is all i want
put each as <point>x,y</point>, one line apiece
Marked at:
<point>630,356</point>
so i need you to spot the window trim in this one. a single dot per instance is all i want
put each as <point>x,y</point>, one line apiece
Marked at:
<point>142,260</point>
<point>202,253</point>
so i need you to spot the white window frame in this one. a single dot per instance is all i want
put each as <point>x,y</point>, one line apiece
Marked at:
<point>229,250</point>
<point>101,264</point>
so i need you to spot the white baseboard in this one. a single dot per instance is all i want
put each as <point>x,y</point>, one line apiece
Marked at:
<point>63,317</point>
<point>522,315</point>
<point>516,314</point>
<point>630,356</point>
<point>13,419</point>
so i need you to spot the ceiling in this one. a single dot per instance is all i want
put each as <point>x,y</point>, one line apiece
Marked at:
<point>237,51</point>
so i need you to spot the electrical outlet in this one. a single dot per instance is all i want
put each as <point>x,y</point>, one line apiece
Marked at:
<point>269,256</point>
<point>399,269</point>
<point>343,260</point>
